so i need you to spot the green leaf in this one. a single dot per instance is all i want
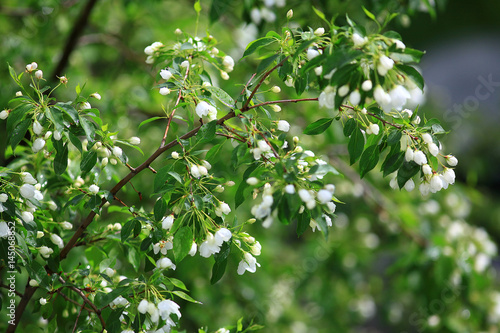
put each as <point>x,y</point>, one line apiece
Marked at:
<point>145,244</point>
<point>304,46</point>
<point>356,145</point>
<point>369,14</point>
<point>207,132</point>
<point>75,141</point>
<point>183,240</point>
<point>19,132</point>
<point>256,44</point>
<point>320,14</point>
<point>16,115</point>
<point>368,160</point>
<point>393,162</point>
<point>102,299</point>
<point>394,137</point>
<point>264,64</point>
<point>127,229</point>
<point>88,127</point>
<point>413,74</point>
<point>197,6</point>
<point>88,161</point>
<point>303,222</point>
<point>61,160</point>
<point>349,127</point>
<point>318,127</point>
<point>69,110</point>
<point>323,169</point>
<point>185,296</point>
<point>160,209</point>
<point>220,262</point>
<point>161,177</point>
<point>239,197</point>
<point>212,153</point>
<point>406,171</point>
<point>222,96</point>
<point>56,117</point>
<point>150,120</point>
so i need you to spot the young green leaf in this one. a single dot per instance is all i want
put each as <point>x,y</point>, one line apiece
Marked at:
<point>318,127</point>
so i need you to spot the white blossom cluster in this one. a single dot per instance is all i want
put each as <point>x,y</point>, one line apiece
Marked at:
<point>266,12</point>
<point>164,309</point>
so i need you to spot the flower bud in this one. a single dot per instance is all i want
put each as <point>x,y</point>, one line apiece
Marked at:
<point>178,31</point>
<point>19,93</point>
<point>164,91</point>
<point>320,31</point>
<point>135,141</point>
<point>39,74</point>
<point>63,79</point>
<point>4,114</point>
<point>96,96</point>
<point>57,135</point>
<point>165,74</point>
<point>289,14</point>
<point>37,128</point>
<point>33,283</point>
<point>275,107</point>
<point>38,145</point>
<point>275,89</point>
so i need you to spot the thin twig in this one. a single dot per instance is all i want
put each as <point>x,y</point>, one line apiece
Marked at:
<point>261,81</point>
<point>283,101</point>
<point>8,287</point>
<point>72,300</point>
<point>77,317</point>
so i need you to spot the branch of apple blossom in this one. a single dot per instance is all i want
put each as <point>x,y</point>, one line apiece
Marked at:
<point>63,295</point>
<point>77,318</point>
<point>261,81</point>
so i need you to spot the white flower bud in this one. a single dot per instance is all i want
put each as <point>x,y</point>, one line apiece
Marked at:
<point>104,161</point>
<point>451,160</point>
<point>134,141</point>
<point>372,129</point>
<point>409,185</point>
<point>426,169</point>
<point>113,161</point>
<point>34,283</point>
<point>86,106</point>
<point>312,53</point>
<point>165,74</point>
<point>96,96</point>
<point>143,306</point>
<point>320,31</point>
<point>358,40</point>
<point>19,93</point>
<point>57,240</point>
<point>419,157</point>
<point>224,75</point>
<point>57,135</point>
<point>427,138</point>
<point>38,145</point>
<point>45,251</point>
<point>194,248</point>
<point>275,107</point>
<point>409,154</point>
<point>324,196</point>
<point>27,191</point>
<point>318,70</point>
<point>290,189</point>
<point>343,91</point>
<point>275,89</point>
<point>289,14</point>
<point>252,181</point>
<point>385,64</point>
<point>43,301</point>
<point>27,217</point>
<point>433,149</point>
<point>117,151</point>
<point>4,114</point>
<point>283,125</point>
<point>164,91</point>
<point>94,189</point>
<point>399,44</point>
<point>449,176</point>
<point>230,183</point>
<point>178,31</point>
<point>355,97</point>
<point>40,234</point>
<point>66,225</point>
<point>175,155</point>
<point>28,178</point>
<point>228,63</point>
<point>367,85</point>
<point>195,171</point>
<point>37,128</point>
<point>39,74</point>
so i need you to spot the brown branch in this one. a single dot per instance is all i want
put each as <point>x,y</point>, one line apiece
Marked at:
<point>73,37</point>
<point>283,101</point>
<point>8,287</point>
<point>72,300</point>
<point>261,81</point>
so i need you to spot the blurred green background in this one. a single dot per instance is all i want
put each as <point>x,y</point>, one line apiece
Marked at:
<point>349,282</point>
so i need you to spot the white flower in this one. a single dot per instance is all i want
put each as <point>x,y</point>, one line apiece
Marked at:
<point>175,155</point>
<point>424,188</point>
<point>4,114</point>
<point>31,67</point>
<point>228,63</point>
<point>331,207</point>
<point>427,138</point>
<point>481,262</point>
<point>252,181</point>
<point>409,154</point>
<point>327,98</point>
<point>195,171</point>
<point>4,229</point>
<point>399,95</point>
<point>38,145</point>
<point>384,65</point>
<point>318,70</point>
<point>275,89</point>
<point>433,149</point>
<point>34,283</point>
<point>28,178</point>
<point>224,75</point>
<point>165,74</point>
<point>45,251</point>
<point>66,225</point>
<point>86,105</point>
<point>399,44</point>
<point>367,85</point>
<point>451,160</point>
<point>109,271</point>
<point>40,234</point>
<point>324,196</point>
<point>372,129</point>
<point>57,135</point>
<point>343,91</point>
<point>162,246</point>
<point>449,175</point>
<point>283,125</point>
<point>19,93</point>
<point>209,246</point>
<point>167,222</point>
<point>167,307</point>
<point>275,107</point>
<point>57,240</point>
<point>312,53</point>
<point>320,31</point>
<point>164,91</point>
<point>289,14</point>
<point>96,96</point>
<point>202,109</point>
<point>255,15</point>
<point>256,249</point>
<point>305,195</point>
<point>43,301</point>
<point>193,249</point>
<point>358,40</point>
<point>143,306</point>
<point>94,189</point>
<point>249,263</point>
<point>426,169</point>
<point>27,217</point>
<point>27,191</point>
<point>355,97</point>
<point>290,189</point>
<point>117,151</point>
<point>165,263</point>
<point>222,235</point>
<point>289,81</point>
<point>222,209</point>
<point>436,183</point>
<point>206,164</point>
<point>419,157</point>
<point>134,141</point>
<point>3,197</point>
<point>39,74</point>
<point>37,128</point>
<point>409,185</point>
<point>382,98</point>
